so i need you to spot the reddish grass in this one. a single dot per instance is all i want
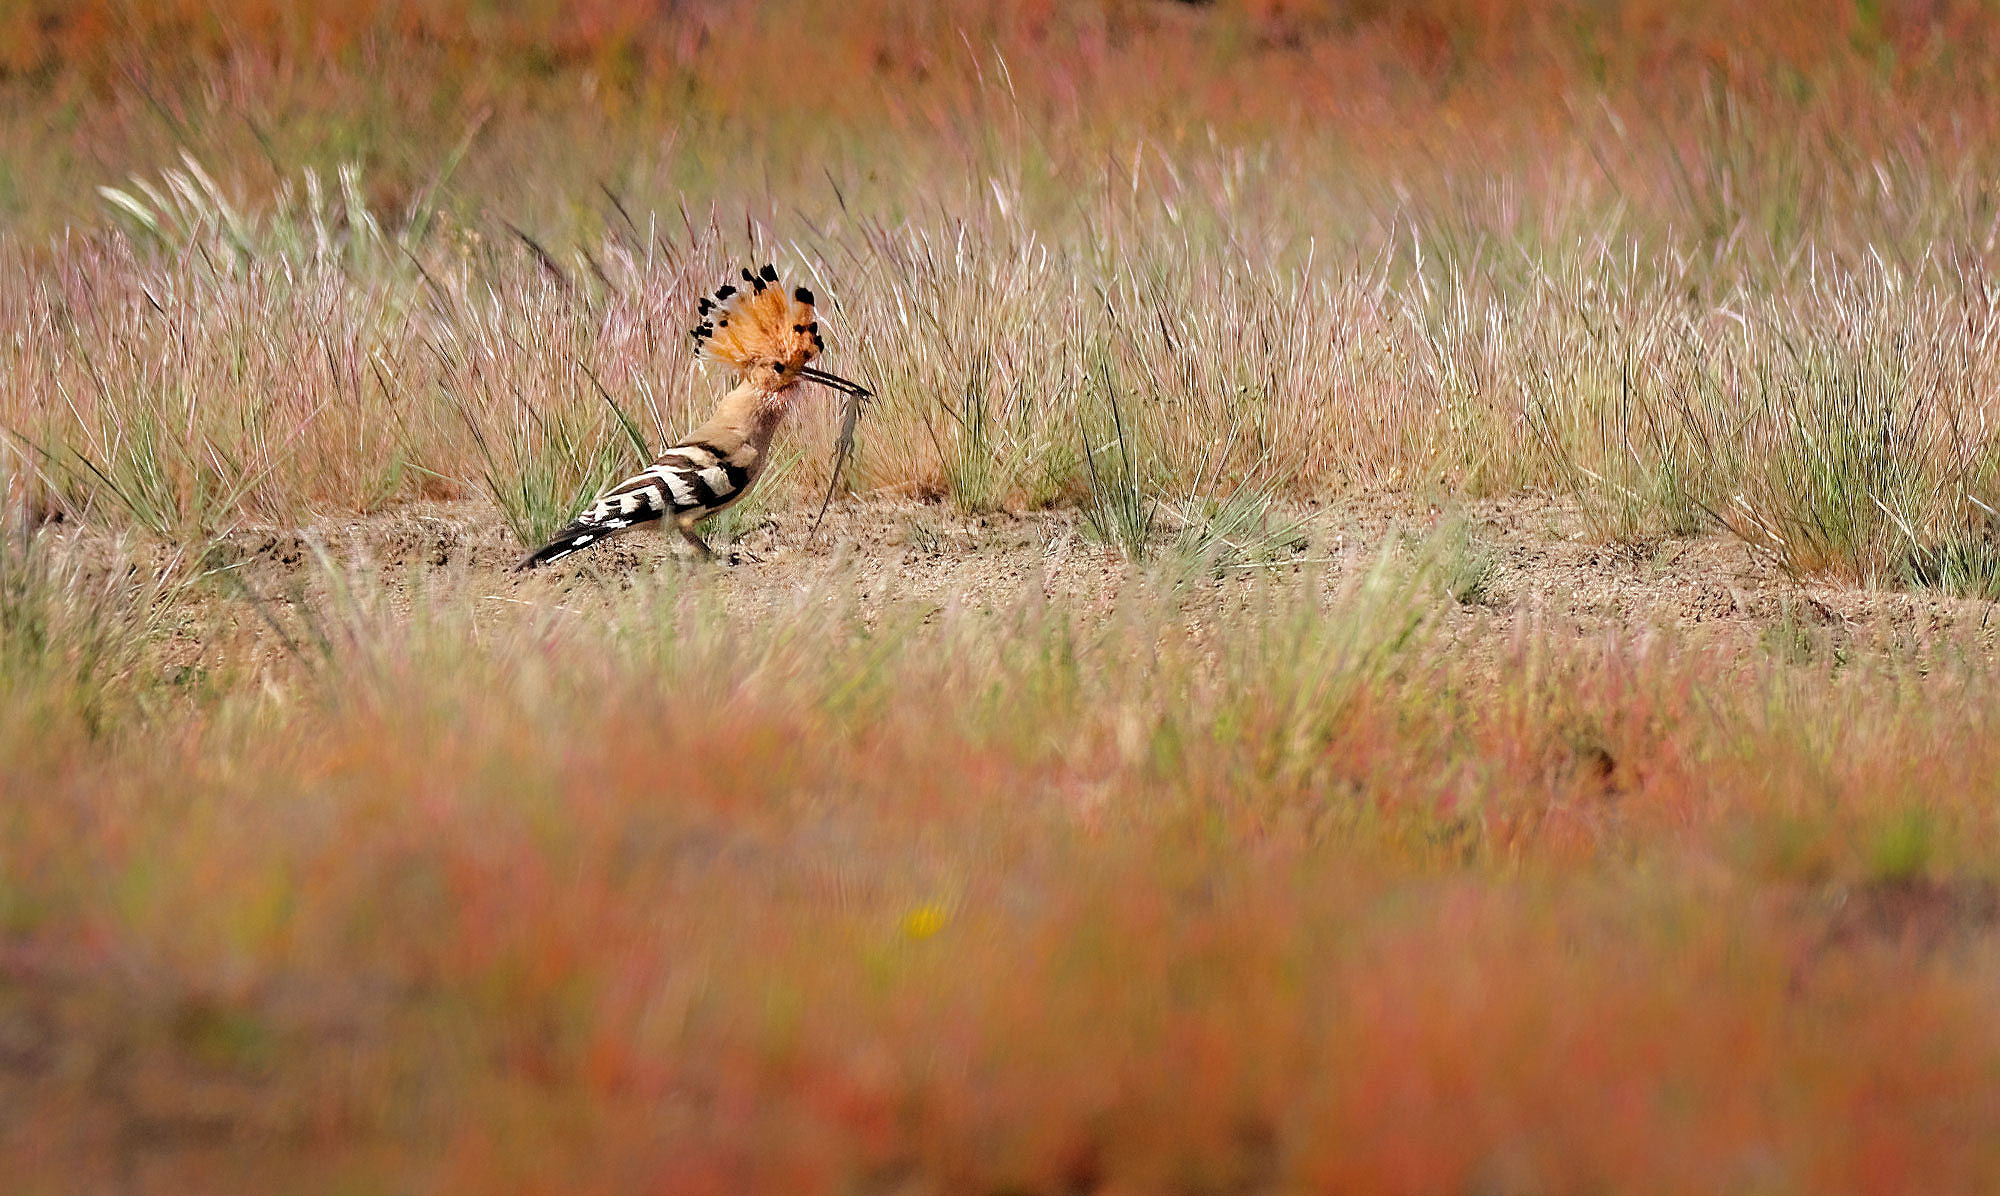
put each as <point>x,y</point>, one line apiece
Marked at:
<point>1573,920</point>
<point>1439,94</point>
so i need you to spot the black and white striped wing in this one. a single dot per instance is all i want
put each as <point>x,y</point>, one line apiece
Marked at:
<point>689,481</point>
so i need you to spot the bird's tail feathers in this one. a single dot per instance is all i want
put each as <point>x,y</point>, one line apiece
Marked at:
<point>579,535</point>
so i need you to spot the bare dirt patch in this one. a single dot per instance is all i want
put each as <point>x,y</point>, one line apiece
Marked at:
<point>1529,561</point>
<point>1533,555</point>
<point>1540,570</point>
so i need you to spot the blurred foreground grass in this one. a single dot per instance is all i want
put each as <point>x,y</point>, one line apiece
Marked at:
<point>648,896</point>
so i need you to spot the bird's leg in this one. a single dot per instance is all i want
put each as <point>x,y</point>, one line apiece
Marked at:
<point>701,547</point>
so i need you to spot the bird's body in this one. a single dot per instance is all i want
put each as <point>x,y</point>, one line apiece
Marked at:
<point>767,337</point>
<point>701,476</point>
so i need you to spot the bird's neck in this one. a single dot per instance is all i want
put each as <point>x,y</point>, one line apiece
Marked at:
<point>752,412</point>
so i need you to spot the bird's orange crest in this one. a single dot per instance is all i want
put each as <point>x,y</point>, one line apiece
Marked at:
<point>759,330</point>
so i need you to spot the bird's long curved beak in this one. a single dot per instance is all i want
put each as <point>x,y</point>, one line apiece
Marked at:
<point>838,383</point>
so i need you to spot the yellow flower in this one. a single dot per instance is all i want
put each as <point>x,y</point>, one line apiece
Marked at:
<point>925,920</point>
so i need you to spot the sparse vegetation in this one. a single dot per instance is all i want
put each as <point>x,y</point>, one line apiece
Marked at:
<point>1245,527</point>
<point>1121,508</point>
<point>1464,564</point>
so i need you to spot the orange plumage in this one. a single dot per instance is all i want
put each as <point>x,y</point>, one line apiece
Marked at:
<point>758,330</point>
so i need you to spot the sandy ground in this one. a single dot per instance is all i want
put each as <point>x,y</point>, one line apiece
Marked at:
<point>1540,564</point>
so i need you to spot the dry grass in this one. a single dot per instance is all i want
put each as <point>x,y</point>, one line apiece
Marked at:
<point>360,888</point>
<point>255,368</point>
<point>1311,899</point>
<point>1765,304</point>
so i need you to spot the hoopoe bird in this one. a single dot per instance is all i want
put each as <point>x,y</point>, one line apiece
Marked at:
<point>766,336</point>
